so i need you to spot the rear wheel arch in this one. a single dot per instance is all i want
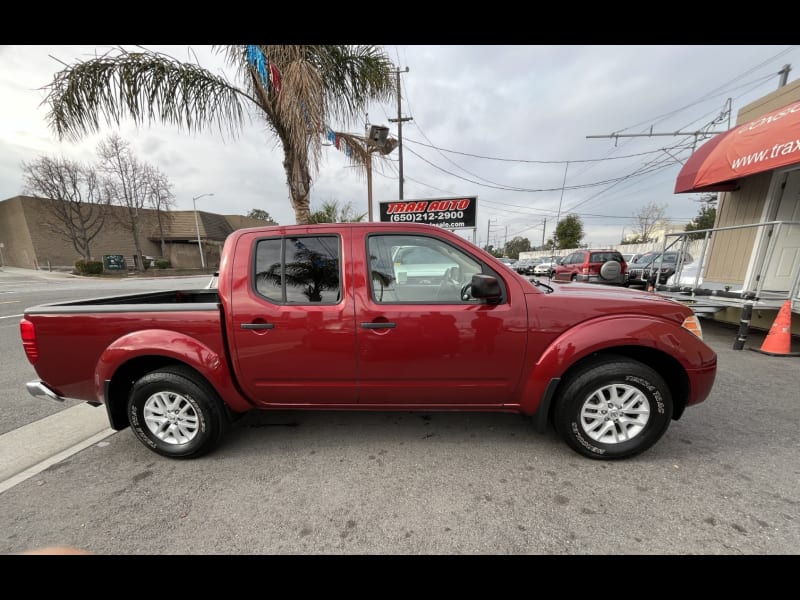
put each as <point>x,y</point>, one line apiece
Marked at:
<point>118,388</point>
<point>174,411</point>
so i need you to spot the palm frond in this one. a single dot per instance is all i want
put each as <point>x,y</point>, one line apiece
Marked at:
<point>319,85</point>
<point>359,154</point>
<point>295,114</point>
<point>353,77</point>
<point>300,107</point>
<point>143,86</point>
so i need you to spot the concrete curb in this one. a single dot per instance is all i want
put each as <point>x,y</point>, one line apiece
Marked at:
<point>34,447</point>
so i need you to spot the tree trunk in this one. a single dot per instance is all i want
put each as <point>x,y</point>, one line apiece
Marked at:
<point>161,233</point>
<point>135,231</point>
<point>298,179</point>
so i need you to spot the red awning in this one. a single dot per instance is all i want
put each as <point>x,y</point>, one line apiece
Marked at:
<point>768,142</point>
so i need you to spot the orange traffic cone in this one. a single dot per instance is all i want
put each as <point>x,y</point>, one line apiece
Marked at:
<point>779,339</point>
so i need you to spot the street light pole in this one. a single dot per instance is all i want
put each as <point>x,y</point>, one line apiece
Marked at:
<point>197,226</point>
<point>369,185</point>
<point>376,140</point>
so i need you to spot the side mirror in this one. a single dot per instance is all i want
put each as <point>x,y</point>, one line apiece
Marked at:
<point>486,286</point>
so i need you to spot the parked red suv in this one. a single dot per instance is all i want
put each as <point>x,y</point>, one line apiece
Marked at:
<point>594,266</point>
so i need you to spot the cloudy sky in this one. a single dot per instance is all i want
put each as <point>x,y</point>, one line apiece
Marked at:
<point>512,125</point>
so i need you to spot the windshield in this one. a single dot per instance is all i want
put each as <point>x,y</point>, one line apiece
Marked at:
<point>655,257</point>
<point>418,255</point>
<point>647,259</point>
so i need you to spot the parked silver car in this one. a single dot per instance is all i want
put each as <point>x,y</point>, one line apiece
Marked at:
<point>547,266</point>
<point>509,262</point>
<point>526,266</point>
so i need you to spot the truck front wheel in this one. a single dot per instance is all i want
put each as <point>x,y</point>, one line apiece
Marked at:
<point>175,413</point>
<point>613,408</point>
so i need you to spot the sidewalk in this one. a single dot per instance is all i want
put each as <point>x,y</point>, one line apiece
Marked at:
<point>26,451</point>
<point>149,274</point>
<point>36,273</point>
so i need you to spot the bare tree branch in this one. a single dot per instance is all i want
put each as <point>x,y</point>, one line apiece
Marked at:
<point>126,183</point>
<point>76,207</point>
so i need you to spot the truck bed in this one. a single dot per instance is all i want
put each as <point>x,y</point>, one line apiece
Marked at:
<point>72,337</point>
<point>148,301</point>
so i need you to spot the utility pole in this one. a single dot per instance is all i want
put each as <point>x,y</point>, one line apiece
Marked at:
<point>399,120</point>
<point>544,228</point>
<point>558,217</point>
<point>698,134</point>
<point>369,169</point>
<point>784,73</point>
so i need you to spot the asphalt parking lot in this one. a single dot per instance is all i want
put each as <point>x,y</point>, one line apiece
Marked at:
<point>723,480</point>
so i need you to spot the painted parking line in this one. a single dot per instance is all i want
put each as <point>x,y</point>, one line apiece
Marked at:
<point>12,316</point>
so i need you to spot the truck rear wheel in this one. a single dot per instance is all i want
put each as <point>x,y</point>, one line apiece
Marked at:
<point>175,413</point>
<point>614,407</point>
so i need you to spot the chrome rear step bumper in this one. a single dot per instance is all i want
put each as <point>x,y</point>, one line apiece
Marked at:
<point>40,389</point>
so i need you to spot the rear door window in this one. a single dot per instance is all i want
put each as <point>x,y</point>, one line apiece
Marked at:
<point>299,270</point>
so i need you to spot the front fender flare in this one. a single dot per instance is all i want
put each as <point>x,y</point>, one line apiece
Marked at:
<point>603,334</point>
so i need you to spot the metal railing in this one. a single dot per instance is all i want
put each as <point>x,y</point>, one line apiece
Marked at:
<point>763,262</point>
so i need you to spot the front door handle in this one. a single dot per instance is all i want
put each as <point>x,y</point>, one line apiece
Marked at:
<point>258,325</point>
<point>384,325</point>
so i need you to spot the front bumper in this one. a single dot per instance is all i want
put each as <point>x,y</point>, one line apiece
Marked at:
<point>40,389</point>
<point>622,280</point>
<point>643,276</point>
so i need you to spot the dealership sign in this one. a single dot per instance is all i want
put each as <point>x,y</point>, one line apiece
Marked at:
<point>450,213</point>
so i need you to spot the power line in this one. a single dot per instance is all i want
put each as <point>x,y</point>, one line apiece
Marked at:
<point>658,164</point>
<point>495,184</point>
<point>519,189</point>
<point>528,161</point>
<point>710,95</point>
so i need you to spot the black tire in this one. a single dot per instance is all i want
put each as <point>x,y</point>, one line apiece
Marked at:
<point>196,430</point>
<point>642,411</point>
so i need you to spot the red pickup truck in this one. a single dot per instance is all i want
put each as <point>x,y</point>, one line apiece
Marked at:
<point>374,316</point>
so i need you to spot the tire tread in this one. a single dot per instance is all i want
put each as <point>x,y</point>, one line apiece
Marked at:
<point>599,368</point>
<point>207,397</point>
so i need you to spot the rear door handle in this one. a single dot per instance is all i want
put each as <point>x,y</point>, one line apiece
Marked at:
<point>385,325</point>
<point>258,325</point>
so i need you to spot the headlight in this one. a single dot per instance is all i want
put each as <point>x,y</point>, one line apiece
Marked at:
<point>693,324</point>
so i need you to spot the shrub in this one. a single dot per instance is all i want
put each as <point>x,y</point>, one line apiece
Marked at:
<point>88,267</point>
<point>162,264</point>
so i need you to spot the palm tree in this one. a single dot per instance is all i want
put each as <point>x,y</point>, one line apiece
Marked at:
<point>297,90</point>
<point>332,212</point>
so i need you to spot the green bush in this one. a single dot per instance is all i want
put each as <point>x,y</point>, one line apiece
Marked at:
<point>88,267</point>
<point>162,264</point>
